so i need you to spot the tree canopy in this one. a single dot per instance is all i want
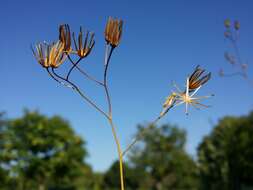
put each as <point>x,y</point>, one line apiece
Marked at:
<point>162,161</point>
<point>225,156</point>
<point>39,152</point>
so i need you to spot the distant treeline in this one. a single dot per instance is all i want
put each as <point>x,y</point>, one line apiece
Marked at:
<point>44,153</point>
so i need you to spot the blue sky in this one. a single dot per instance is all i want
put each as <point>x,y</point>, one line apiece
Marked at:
<point>162,42</point>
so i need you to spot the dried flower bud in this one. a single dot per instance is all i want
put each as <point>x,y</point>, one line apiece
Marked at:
<point>65,37</point>
<point>83,49</point>
<point>113,31</point>
<point>237,25</point>
<point>49,55</point>
<point>170,100</point>
<point>227,23</point>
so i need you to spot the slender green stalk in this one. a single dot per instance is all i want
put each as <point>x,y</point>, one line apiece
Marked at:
<point>75,88</point>
<point>117,141</point>
<point>137,138</point>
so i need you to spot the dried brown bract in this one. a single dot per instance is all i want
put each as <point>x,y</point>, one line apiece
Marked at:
<point>65,37</point>
<point>113,31</point>
<point>83,48</point>
<point>49,55</point>
<point>197,79</point>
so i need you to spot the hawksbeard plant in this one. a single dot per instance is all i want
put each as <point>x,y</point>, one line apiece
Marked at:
<point>69,47</point>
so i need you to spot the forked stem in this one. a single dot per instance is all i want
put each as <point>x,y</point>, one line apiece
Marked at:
<point>107,61</point>
<point>88,76</point>
<point>75,88</point>
<point>116,139</point>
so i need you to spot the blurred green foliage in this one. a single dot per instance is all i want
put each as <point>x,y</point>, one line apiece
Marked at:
<point>226,155</point>
<point>43,153</point>
<point>38,152</point>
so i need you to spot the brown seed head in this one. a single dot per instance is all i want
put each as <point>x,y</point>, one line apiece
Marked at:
<point>49,55</point>
<point>113,31</point>
<point>83,49</point>
<point>65,37</point>
<point>197,79</point>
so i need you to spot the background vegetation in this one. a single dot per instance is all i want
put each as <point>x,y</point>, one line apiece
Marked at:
<point>39,152</point>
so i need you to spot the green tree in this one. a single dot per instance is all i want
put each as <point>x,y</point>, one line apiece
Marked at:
<point>42,153</point>
<point>226,155</point>
<point>3,173</point>
<point>162,161</point>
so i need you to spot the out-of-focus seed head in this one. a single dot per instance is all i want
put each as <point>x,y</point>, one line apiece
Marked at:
<point>84,47</point>
<point>65,37</point>
<point>237,25</point>
<point>113,31</point>
<point>227,23</point>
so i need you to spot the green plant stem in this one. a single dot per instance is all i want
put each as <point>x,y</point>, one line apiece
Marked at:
<point>75,88</point>
<point>137,138</point>
<point>119,154</point>
<point>116,139</point>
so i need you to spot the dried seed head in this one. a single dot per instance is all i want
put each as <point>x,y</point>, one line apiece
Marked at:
<point>113,31</point>
<point>237,25</point>
<point>84,47</point>
<point>65,37</point>
<point>196,79</point>
<point>227,23</point>
<point>49,55</point>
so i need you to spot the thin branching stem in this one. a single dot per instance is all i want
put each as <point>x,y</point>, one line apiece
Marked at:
<point>238,56</point>
<point>57,80</point>
<point>107,61</point>
<point>233,74</point>
<point>75,88</point>
<point>117,141</point>
<point>88,76</point>
<point>138,137</point>
<point>73,66</point>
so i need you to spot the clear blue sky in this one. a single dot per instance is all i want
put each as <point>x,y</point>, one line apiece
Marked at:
<point>162,42</point>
